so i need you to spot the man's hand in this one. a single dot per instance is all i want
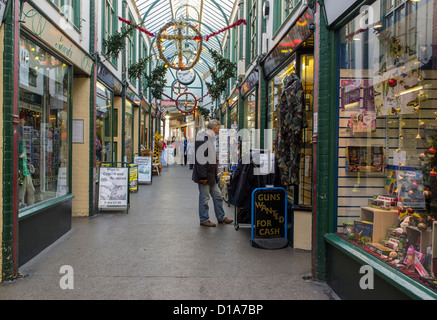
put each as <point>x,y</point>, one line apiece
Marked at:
<point>203,181</point>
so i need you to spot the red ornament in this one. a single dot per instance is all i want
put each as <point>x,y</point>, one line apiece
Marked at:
<point>410,210</point>
<point>392,83</point>
<point>402,209</point>
<point>432,151</point>
<point>433,174</point>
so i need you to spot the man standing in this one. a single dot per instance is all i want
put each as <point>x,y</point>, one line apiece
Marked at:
<point>205,175</point>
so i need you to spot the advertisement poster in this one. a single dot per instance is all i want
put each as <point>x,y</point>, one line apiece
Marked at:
<point>113,187</point>
<point>144,169</point>
<point>133,177</point>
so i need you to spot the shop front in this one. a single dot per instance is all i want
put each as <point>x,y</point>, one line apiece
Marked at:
<point>47,88</point>
<point>289,72</point>
<point>386,183</point>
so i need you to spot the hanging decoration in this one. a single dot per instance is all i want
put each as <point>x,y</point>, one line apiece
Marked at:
<point>235,24</point>
<point>115,43</point>
<point>181,33</point>
<point>187,105</point>
<point>198,37</point>
<point>224,70</point>
<point>135,26</point>
<point>136,70</point>
<point>156,81</point>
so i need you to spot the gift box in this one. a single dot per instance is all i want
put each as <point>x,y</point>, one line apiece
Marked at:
<point>379,249</point>
<point>363,230</point>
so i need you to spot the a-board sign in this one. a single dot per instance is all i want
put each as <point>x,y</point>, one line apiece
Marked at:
<point>269,218</point>
<point>144,169</point>
<point>133,177</point>
<point>113,188</point>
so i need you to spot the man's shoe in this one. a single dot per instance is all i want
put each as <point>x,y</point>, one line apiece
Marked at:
<point>207,224</point>
<point>226,220</point>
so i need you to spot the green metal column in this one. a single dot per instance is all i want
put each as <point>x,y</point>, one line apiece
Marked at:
<point>325,159</point>
<point>9,245</point>
<point>123,92</point>
<point>92,113</point>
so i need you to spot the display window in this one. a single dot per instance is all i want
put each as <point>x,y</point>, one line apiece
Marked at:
<point>275,90</point>
<point>104,107</point>
<point>128,132</point>
<point>387,135</point>
<point>44,105</point>
<point>234,116</point>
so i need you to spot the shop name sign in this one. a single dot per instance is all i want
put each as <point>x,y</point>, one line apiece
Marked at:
<point>269,218</point>
<point>36,23</point>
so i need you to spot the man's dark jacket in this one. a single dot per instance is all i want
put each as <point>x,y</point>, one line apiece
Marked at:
<point>205,167</point>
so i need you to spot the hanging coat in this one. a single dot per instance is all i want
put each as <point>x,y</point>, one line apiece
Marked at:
<point>292,123</point>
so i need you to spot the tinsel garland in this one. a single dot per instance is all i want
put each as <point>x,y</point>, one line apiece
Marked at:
<point>235,24</point>
<point>206,37</point>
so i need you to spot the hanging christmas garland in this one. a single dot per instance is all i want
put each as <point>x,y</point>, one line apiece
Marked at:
<point>206,37</point>
<point>225,70</point>
<point>115,43</point>
<point>138,69</point>
<point>204,112</point>
<point>156,81</point>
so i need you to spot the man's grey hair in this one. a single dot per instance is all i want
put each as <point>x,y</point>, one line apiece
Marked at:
<point>213,124</point>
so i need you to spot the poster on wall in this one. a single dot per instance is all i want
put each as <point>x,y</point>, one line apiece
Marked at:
<point>113,188</point>
<point>350,94</point>
<point>363,122</point>
<point>144,169</point>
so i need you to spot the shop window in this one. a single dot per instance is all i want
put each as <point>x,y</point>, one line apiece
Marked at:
<point>128,132</point>
<point>43,155</point>
<point>275,90</point>
<point>104,108</point>
<point>387,129</point>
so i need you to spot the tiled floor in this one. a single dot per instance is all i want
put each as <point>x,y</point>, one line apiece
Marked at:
<point>159,251</point>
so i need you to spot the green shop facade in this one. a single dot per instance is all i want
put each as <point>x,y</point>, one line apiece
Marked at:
<point>63,114</point>
<point>375,139</point>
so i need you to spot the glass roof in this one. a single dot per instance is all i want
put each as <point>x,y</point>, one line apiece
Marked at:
<point>207,16</point>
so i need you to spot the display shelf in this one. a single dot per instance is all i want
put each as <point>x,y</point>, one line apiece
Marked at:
<point>382,220</point>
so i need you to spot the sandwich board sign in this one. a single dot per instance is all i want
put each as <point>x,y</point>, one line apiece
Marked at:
<point>269,218</point>
<point>144,169</point>
<point>113,188</point>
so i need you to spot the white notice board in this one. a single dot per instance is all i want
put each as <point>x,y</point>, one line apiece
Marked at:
<point>113,188</point>
<point>144,169</point>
